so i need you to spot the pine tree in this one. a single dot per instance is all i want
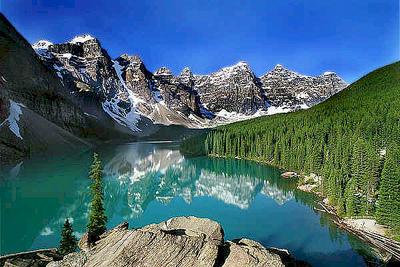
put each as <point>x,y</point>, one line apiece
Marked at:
<point>339,140</point>
<point>97,217</point>
<point>68,243</point>
<point>389,193</point>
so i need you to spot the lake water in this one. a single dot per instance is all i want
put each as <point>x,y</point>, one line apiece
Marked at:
<point>151,182</point>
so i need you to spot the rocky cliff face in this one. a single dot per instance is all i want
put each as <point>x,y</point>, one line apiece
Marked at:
<point>30,92</point>
<point>182,241</point>
<point>38,107</point>
<point>285,88</point>
<point>234,89</point>
<point>129,92</point>
<point>159,96</point>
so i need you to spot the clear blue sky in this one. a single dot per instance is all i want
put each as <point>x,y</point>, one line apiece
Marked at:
<point>351,37</point>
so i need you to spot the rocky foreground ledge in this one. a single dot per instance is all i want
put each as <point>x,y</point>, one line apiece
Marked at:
<point>181,241</point>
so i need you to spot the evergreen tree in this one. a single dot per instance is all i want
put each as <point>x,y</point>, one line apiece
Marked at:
<point>340,140</point>
<point>97,217</point>
<point>389,193</point>
<point>68,243</point>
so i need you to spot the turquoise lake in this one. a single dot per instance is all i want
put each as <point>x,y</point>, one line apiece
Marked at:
<point>151,182</point>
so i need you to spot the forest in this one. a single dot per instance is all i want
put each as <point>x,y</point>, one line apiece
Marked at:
<point>352,141</point>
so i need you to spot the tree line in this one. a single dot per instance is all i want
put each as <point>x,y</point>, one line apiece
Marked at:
<point>352,141</point>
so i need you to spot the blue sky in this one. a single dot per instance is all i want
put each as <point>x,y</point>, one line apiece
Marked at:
<point>350,37</point>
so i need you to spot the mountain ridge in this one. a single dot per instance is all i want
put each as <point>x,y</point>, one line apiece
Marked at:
<point>196,101</point>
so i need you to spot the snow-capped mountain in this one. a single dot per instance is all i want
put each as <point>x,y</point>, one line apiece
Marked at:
<point>129,92</point>
<point>283,87</point>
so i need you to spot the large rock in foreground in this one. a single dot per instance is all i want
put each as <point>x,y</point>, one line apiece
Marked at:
<point>182,241</point>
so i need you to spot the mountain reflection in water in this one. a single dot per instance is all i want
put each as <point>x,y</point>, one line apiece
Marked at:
<point>147,183</point>
<point>162,173</point>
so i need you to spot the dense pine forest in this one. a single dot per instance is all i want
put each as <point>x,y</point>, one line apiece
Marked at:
<point>351,140</point>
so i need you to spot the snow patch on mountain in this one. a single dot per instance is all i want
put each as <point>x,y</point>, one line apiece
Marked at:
<point>42,44</point>
<point>134,99</point>
<point>81,38</point>
<point>42,48</point>
<point>329,73</point>
<point>129,119</point>
<point>13,118</point>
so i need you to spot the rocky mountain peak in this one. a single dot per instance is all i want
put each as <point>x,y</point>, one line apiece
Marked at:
<point>42,44</point>
<point>42,48</point>
<point>133,62</point>
<point>83,46</point>
<point>231,92</point>
<point>186,77</point>
<point>163,71</point>
<point>82,39</point>
<point>241,66</point>
<point>284,87</point>
<point>186,72</point>
<point>282,70</point>
<point>329,73</point>
<point>279,67</point>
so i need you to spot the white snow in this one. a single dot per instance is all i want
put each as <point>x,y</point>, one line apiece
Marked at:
<point>13,118</point>
<point>302,95</point>
<point>132,96</point>
<point>42,44</point>
<point>328,73</point>
<point>128,119</point>
<point>66,55</point>
<point>58,70</point>
<point>41,48</point>
<point>81,38</point>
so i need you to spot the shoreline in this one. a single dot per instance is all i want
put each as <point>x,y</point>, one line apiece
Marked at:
<point>349,225</point>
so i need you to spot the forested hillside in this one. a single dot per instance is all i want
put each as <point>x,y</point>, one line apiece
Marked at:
<point>352,140</point>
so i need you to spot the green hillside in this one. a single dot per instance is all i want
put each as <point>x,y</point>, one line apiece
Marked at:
<point>352,140</point>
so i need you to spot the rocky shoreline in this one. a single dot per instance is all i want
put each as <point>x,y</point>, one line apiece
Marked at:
<point>180,241</point>
<point>366,229</point>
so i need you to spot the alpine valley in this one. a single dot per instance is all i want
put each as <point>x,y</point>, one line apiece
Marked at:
<point>233,167</point>
<point>74,95</point>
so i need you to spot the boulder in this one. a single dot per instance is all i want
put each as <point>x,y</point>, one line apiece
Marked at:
<point>181,241</point>
<point>245,252</point>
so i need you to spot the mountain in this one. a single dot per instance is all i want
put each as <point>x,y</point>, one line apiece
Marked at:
<point>37,113</point>
<point>351,141</point>
<point>80,96</point>
<point>131,94</point>
<point>285,88</point>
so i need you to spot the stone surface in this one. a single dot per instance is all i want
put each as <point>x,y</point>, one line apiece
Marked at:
<point>37,258</point>
<point>245,252</point>
<point>181,241</point>
<point>234,89</point>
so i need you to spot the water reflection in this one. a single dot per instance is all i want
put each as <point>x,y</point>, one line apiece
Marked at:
<point>146,183</point>
<point>140,173</point>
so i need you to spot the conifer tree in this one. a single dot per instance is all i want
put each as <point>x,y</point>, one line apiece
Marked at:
<point>389,193</point>
<point>97,217</point>
<point>341,140</point>
<point>68,243</point>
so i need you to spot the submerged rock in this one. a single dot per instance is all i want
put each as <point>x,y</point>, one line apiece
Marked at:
<point>181,241</point>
